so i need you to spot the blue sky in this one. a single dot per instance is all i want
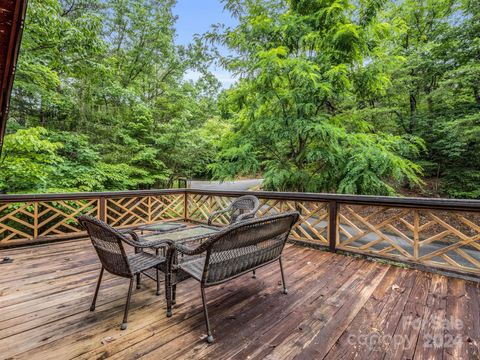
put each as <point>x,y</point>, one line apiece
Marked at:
<point>196,17</point>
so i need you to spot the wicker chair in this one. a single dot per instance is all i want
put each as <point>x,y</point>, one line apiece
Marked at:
<point>108,244</point>
<point>242,208</point>
<point>234,251</point>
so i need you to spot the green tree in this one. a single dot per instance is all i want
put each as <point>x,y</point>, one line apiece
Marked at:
<point>107,80</point>
<point>28,160</point>
<point>297,61</point>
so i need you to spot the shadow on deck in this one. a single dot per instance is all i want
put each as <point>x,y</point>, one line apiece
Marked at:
<point>338,307</point>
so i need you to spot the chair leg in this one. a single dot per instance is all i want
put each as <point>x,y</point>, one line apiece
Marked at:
<point>92,307</point>
<point>127,306</point>
<point>158,282</point>
<point>138,280</point>
<point>254,276</point>
<point>285,291</point>
<point>205,312</point>
<point>168,294</point>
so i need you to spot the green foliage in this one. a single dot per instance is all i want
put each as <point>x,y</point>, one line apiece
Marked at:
<point>354,96</point>
<point>28,160</point>
<point>288,107</point>
<point>106,80</point>
<point>364,96</point>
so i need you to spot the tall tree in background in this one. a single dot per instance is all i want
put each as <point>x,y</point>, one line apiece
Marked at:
<point>433,92</point>
<point>299,63</point>
<point>106,79</point>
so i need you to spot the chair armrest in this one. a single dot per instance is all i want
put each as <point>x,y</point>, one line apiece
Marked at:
<point>181,248</point>
<point>216,213</point>
<point>246,216</point>
<point>184,249</point>
<point>154,244</point>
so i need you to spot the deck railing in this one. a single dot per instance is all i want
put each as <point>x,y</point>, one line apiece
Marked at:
<point>433,233</point>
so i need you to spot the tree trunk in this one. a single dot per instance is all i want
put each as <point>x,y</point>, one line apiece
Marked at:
<point>413,110</point>
<point>413,104</point>
<point>42,114</point>
<point>476,93</point>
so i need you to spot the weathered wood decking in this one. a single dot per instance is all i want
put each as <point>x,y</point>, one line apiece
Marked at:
<point>338,307</point>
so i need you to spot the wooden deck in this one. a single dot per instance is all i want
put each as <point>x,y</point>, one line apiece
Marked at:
<point>338,307</point>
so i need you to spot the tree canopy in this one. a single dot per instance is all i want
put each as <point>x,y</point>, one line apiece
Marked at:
<point>106,80</point>
<point>348,96</point>
<point>353,96</point>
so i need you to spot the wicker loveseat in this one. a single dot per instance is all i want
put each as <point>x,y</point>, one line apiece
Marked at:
<point>234,251</point>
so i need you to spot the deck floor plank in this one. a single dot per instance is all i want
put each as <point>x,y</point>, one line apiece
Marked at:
<point>356,341</point>
<point>333,300</point>
<point>312,276</point>
<point>265,339</point>
<point>459,334</point>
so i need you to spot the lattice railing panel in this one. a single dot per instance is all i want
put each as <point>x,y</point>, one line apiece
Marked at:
<point>313,223</point>
<point>201,206</point>
<point>165,207</point>
<point>430,237</point>
<point>17,221</point>
<point>404,232</point>
<point>127,211</point>
<point>312,226</point>
<point>130,211</point>
<point>31,220</point>
<point>58,217</point>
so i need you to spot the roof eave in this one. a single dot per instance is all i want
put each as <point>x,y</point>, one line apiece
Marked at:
<point>12,17</point>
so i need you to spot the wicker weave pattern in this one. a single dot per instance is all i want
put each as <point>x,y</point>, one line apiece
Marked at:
<point>243,208</point>
<point>109,249</point>
<point>246,247</point>
<point>236,250</point>
<point>143,261</point>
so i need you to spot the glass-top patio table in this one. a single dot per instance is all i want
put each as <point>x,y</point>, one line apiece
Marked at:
<point>191,236</point>
<point>183,234</point>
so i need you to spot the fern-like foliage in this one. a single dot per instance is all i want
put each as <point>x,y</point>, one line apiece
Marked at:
<point>287,107</point>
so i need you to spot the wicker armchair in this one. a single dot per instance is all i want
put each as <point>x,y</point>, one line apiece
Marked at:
<point>109,245</point>
<point>243,208</point>
<point>234,251</point>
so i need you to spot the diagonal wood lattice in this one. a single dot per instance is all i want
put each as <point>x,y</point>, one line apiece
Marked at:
<point>17,221</point>
<point>32,220</point>
<point>311,227</point>
<point>167,207</point>
<point>128,211</point>
<point>58,218</point>
<point>449,240</point>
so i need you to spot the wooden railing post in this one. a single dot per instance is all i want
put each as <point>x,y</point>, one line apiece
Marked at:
<point>332,225</point>
<point>149,206</point>
<point>185,205</point>
<point>35,220</point>
<point>416,234</point>
<point>102,208</point>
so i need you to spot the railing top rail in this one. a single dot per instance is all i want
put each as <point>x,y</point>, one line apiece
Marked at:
<point>430,203</point>
<point>85,195</point>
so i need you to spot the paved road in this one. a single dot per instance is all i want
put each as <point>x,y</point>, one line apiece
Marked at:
<point>226,185</point>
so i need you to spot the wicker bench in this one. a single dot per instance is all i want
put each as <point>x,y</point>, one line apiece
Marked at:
<point>229,253</point>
